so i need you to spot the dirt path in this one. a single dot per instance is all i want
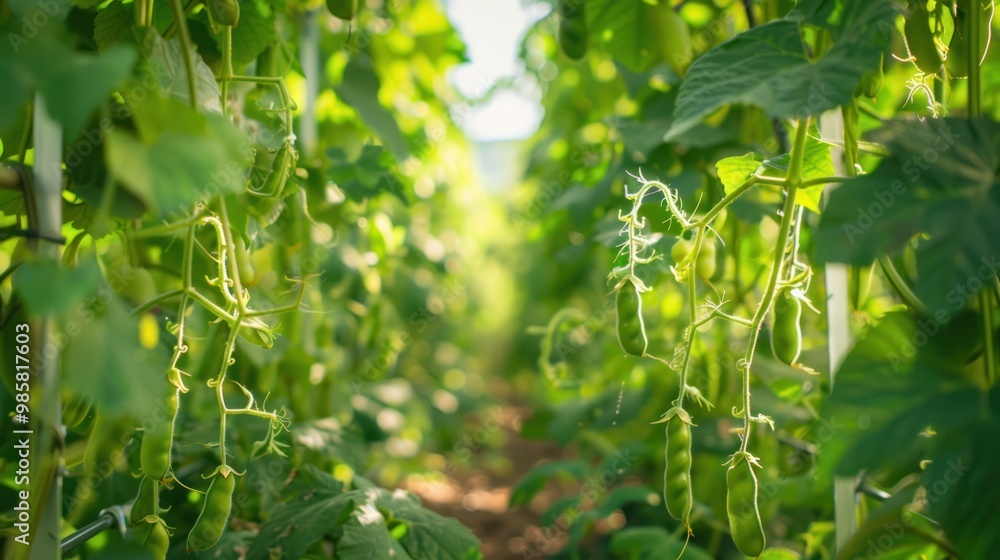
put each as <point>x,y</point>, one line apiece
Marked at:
<point>479,497</point>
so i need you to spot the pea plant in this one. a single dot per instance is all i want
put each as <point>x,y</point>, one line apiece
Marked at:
<point>219,265</point>
<point>789,179</point>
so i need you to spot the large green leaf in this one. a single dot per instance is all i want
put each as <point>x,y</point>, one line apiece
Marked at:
<point>254,33</point>
<point>365,535</point>
<point>428,535</point>
<point>962,489</point>
<point>626,30</point>
<point>166,61</point>
<point>359,89</point>
<point>104,360</point>
<point>768,66</point>
<point>366,177</point>
<point>316,503</point>
<point>940,180</point>
<point>179,156</point>
<point>72,84</point>
<point>900,378</point>
<point>46,287</point>
<point>535,480</point>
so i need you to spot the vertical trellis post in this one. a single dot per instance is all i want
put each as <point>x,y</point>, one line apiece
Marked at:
<point>831,126</point>
<point>46,421</point>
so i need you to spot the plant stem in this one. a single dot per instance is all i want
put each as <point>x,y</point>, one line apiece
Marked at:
<point>898,284</point>
<point>725,202</point>
<point>793,181</point>
<point>975,81</point>
<point>692,279</point>
<point>180,18</point>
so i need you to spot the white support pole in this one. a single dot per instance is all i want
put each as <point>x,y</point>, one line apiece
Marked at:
<point>838,318</point>
<point>48,460</point>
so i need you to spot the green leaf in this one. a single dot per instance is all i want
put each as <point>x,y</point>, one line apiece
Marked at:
<point>940,180</point>
<point>734,171</point>
<point>653,543</point>
<point>961,485</point>
<point>534,480</point>
<point>900,378</point>
<point>626,30</point>
<point>624,495</point>
<point>316,506</point>
<point>75,88</point>
<point>768,67</point>
<point>428,534</point>
<point>167,65</point>
<point>72,84</point>
<point>46,287</point>
<point>104,361</point>
<point>816,163</point>
<point>255,32</point>
<point>368,176</point>
<point>180,157</point>
<point>560,507</point>
<point>779,554</point>
<point>365,535</point>
<point>359,89</point>
<point>112,24</point>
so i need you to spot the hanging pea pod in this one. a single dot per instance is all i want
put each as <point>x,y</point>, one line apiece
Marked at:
<point>573,29</point>
<point>673,36</point>
<point>147,502</point>
<point>154,537</point>
<point>343,9</point>
<point>207,530</point>
<point>224,12</point>
<point>677,493</point>
<point>741,505</point>
<point>960,47</point>
<point>74,411</point>
<point>871,81</point>
<point>920,40</point>
<point>630,327</point>
<point>786,334</point>
<point>859,281</point>
<point>154,455</point>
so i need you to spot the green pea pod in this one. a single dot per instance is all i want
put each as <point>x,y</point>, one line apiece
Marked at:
<point>859,281</point>
<point>343,9</point>
<point>74,411</point>
<point>630,328</point>
<point>673,36</point>
<point>103,449</point>
<point>960,47</point>
<point>741,506</point>
<point>224,12</point>
<point>573,29</point>
<point>153,537</point>
<point>706,260</point>
<point>871,81</point>
<point>274,184</point>
<point>147,501</point>
<point>248,277</point>
<point>920,40</point>
<point>140,288</point>
<point>677,492</point>
<point>154,455</point>
<point>257,332</point>
<point>786,334</point>
<point>207,530</point>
